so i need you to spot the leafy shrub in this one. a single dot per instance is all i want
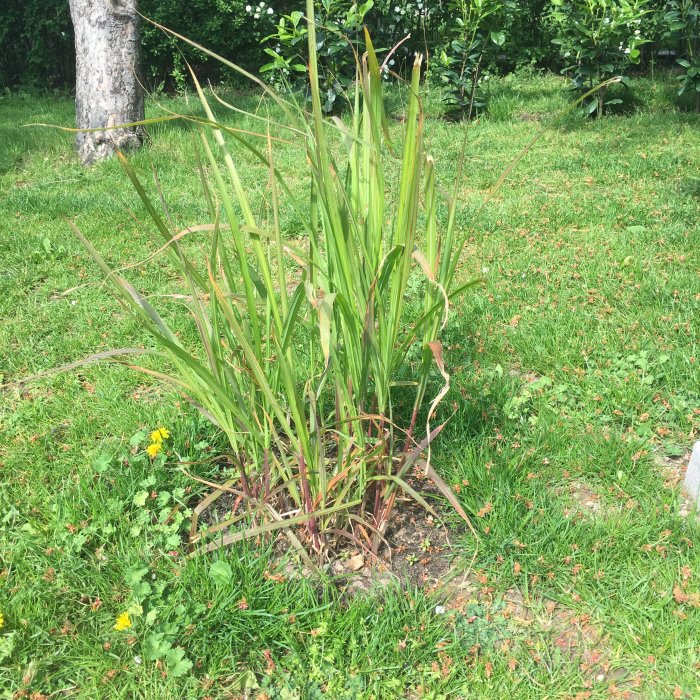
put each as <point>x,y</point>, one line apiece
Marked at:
<point>529,35</point>
<point>683,25</point>
<point>418,24</point>
<point>599,39</point>
<point>301,347</point>
<point>36,44</point>
<point>36,40</point>
<point>456,33</point>
<point>338,40</point>
<point>398,27</point>
<point>474,25</point>
<point>226,28</point>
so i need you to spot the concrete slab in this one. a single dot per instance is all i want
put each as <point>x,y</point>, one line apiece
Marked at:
<point>691,483</point>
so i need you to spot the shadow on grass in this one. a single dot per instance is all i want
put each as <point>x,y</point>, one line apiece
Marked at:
<point>18,143</point>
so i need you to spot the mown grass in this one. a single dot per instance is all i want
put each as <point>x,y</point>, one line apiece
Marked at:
<point>575,373</point>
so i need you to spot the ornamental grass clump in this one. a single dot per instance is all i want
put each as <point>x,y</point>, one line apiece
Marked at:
<point>301,347</point>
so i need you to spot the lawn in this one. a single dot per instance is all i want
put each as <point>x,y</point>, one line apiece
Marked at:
<point>575,402</point>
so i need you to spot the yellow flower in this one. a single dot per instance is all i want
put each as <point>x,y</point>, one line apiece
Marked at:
<point>2,621</point>
<point>154,448</point>
<point>160,435</point>
<point>123,622</point>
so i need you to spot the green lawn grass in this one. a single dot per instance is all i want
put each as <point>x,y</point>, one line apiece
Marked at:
<point>576,377</point>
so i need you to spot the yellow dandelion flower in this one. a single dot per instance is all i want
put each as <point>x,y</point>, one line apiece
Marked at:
<point>2,621</point>
<point>154,448</point>
<point>160,435</point>
<point>123,622</point>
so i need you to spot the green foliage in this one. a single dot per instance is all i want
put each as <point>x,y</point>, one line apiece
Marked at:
<point>683,25</point>
<point>418,25</point>
<point>599,39</point>
<point>458,34</point>
<point>36,43</point>
<point>474,26</point>
<point>690,80</point>
<point>288,54</point>
<point>529,35</point>
<point>222,25</point>
<point>338,44</point>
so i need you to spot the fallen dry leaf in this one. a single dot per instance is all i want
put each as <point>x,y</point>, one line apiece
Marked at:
<point>485,510</point>
<point>679,595</point>
<point>269,661</point>
<point>356,563</point>
<point>277,578</point>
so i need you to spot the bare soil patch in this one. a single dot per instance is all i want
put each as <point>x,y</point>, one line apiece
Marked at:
<point>416,548</point>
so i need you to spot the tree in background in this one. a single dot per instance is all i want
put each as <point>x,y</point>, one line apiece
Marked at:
<point>108,90</point>
<point>600,40</point>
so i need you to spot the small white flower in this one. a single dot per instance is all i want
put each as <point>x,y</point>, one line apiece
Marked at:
<point>248,8</point>
<point>138,660</point>
<point>484,270</point>
<point>627,50</point>
<point>256,16</point>
<point>637,32</point>
<point>439,609</point>
<point>269,10</point>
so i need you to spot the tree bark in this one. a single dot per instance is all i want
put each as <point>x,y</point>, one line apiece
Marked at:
<point>108,89</point>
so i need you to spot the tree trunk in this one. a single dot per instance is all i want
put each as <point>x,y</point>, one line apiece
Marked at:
<point>108,90</point>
